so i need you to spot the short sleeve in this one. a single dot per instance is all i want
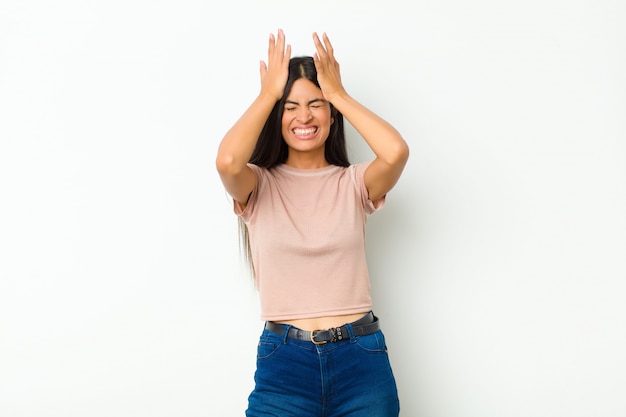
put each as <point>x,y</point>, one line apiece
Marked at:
<point>246,212</point>
<point>369,205</point>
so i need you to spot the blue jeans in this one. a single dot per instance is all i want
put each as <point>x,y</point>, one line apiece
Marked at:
<point>296,378</point>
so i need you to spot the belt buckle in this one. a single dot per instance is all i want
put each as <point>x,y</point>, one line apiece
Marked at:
<point>335,332</point>
<point>315,342</point>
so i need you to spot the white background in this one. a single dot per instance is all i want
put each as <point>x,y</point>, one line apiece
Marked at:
<point>498,265</point>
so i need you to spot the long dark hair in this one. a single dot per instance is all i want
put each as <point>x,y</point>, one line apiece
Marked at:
<point>271,149</point>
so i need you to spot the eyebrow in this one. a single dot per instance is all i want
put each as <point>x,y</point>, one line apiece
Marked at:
<point>315,100</point>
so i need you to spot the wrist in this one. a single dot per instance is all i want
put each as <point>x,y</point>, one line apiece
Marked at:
<point>266,95</point>
<point>338,98</point>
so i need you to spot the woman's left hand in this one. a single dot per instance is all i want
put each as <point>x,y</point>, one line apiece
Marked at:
<point>327,67</point>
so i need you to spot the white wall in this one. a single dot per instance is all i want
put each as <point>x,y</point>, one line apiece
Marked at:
<point>498,264</point>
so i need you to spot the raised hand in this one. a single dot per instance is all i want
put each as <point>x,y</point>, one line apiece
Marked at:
<point>274,73</point>
<point>327,67</point>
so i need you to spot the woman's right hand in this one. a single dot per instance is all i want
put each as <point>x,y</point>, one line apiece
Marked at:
<point>274,73</point>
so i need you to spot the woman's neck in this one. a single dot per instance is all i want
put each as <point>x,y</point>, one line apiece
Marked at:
<point>306,161</point>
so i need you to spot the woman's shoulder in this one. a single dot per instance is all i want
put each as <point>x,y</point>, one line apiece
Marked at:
<point>260,171</point>
<point>359,168</point>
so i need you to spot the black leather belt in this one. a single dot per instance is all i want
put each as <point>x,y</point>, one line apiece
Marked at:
<point>367,324</point>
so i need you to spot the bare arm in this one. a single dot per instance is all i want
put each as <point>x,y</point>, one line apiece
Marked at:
<point>391,150</point>
<point>238,144</point>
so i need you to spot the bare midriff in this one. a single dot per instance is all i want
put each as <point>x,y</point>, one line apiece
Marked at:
<point>323,323</point>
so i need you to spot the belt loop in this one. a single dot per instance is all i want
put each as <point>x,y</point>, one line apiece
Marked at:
<point>350,332</point>
<point>285,334</point>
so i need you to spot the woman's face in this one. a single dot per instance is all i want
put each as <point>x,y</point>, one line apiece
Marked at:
<point>306,120</point>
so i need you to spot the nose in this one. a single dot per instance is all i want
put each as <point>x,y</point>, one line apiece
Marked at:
<point>304,114</point>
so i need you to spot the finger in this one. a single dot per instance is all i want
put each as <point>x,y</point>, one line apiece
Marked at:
<point>283,50</point>
<point>280,42</point>
<point>270,47</point>
<point>262,69</point>
<point>328,45</point>
<point>288,52</point>
<point>321,52</point>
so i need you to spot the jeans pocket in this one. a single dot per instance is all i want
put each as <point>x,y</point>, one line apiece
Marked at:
<point>266,348</point>
<point>372,343</point>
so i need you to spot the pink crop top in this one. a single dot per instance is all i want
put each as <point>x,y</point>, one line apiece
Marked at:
<point>307,237</point>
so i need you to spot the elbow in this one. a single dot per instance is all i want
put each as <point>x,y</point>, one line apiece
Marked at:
<point>400,153</point>
<point>222,163</point>
<point>404,152</point>
<point>227,165</point>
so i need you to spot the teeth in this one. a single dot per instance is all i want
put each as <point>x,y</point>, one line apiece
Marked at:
<point>304,132</point>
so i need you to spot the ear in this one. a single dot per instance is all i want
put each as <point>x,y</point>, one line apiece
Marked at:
<point>332,120</point>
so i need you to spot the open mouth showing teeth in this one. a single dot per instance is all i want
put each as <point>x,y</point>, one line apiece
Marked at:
<point>305,132</point>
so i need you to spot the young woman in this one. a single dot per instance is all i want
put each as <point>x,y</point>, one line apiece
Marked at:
<point>303,209</point>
